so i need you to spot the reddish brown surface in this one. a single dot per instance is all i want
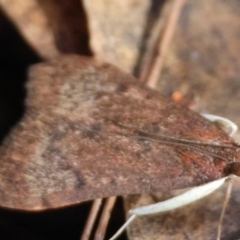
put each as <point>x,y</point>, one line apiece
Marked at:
<point>71,145</point>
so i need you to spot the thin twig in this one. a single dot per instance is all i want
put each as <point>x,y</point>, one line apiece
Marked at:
<point>101,230</point>
<point>227,198</point>
<point>91,219</point>
<point>164,44</point>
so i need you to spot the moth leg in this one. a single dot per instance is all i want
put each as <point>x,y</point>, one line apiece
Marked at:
<point>124,226</point>
<point>227,125</point>
<point>190,196</point>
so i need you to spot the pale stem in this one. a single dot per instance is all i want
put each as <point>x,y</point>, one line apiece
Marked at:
<point>228,195</point>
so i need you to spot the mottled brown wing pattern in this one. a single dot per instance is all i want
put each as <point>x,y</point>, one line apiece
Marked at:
<point>92,131</point>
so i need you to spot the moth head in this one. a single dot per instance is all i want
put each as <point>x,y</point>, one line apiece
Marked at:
<point>233,168</point>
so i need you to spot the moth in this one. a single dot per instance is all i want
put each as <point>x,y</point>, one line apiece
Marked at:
<point>91,131</point>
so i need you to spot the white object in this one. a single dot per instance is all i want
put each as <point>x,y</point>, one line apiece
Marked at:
<point>226,123</point>
<point>190,196</point>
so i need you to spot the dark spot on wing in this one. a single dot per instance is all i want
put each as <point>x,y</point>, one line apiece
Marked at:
<point>122,87</point>
<point>57,136</point>
<point>74,126</point>
<point>3,196</point>
<point>45,202</point>
<point>149,96</point>
<point>80,182</point>
<point>53,151</point>
<point>91,131</point>
<point>99,95</point>
<point>105,66</point>
<point>113,182</point>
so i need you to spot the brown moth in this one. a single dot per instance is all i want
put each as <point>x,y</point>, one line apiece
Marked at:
<point>92,131</point>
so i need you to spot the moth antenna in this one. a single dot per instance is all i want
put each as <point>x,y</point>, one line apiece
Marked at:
<point>186,146</point>
<point>188,141</point>
<point>224,122</point>
<point>181,140</point>
<point>190,196</point>
<point>124,226</point>
<point>174,141</point>
<point>226,201</point>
